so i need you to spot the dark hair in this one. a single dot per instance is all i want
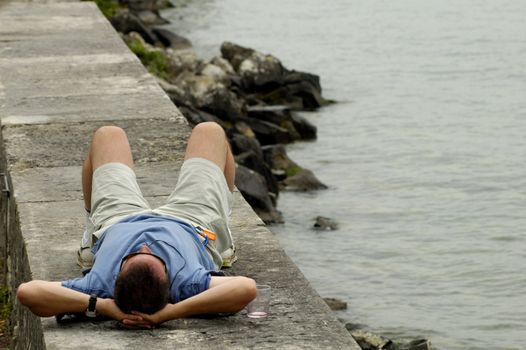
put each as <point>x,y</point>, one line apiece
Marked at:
<point>139,288</point>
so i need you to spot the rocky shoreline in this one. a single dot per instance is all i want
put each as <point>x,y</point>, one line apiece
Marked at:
<point>250,94</point>
<point>255,99</point>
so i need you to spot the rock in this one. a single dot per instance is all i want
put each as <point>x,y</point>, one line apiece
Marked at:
<point>170,39</point>
<point>335,304</point>
<point>254,189</point>
<point>179,98</point>
<point>211,96</point>
<point>177,95</point>
<point>126,22</point>
<point>216,73</point>
<point>241,143</point>
<point>279,96</point>
<point>196,116</point>
<point>278,115</point>
<point>244,129</point>
<point>370,341</point>
<point>276,156</point>
<point>254,162</point>
<point>296,77</point>
<point>304,180</point>
<point>164,4</point>
<point>305,129</point>
<point>183,61</point>
<point>275,114</point>
<point>269,133</point>
<point>260,72</point>
<point>149,17</point>
<point>223,64</point>
<point>418,344</point>
<point>265,77</point>
<point>235,54</point>
<point>325,224</point>
<point>351,326</point>
<point>298,96</point>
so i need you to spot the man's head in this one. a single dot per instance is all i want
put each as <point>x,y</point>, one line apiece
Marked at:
<point>142,284</point>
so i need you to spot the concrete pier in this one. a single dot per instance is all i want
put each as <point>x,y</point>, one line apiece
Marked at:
<point>64,72</point>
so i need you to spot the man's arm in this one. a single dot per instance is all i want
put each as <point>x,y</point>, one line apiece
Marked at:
<point>224,295</point>
<point>46,299</point>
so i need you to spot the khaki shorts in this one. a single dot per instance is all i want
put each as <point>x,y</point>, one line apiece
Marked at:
<point>201,196</point>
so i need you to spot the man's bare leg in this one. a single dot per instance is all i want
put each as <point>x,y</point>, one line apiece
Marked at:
<point>208,140</point>
<point>109,144</point>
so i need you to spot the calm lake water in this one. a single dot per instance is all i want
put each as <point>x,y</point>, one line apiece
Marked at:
<point>425,156</point>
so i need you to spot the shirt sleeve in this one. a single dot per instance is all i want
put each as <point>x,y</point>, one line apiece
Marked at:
<point>88,284</point>
<point>199,282</point>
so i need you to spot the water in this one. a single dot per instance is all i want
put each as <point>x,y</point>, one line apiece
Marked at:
<point>424,155</point>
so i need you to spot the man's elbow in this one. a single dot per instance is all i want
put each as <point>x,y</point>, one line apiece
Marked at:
<point>28,294</point>
<point>23,294</point>
<point>249,292</point>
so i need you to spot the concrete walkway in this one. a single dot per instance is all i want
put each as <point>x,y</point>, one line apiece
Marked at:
<point>64,72</point>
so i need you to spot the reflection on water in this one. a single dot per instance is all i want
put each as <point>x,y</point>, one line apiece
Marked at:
<point>424,155</point>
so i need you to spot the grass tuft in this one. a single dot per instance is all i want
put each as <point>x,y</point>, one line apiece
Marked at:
<point>156,61</point>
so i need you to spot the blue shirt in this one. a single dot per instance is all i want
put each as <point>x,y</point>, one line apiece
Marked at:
<point>189,265</point>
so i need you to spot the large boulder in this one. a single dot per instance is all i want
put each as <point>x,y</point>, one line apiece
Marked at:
<point>304,180</point>
<point>254,162</point>
<point>253,187</point>
<point>235,54</point>
<point>183,61</point>
<point>305,129</point>
<point>297,96</point>
<point>276,156</point>
<point>294,76</point>
<point>268,133</point>
<point>215,72</point>
<point>241,143</point>
<point>278,115</point>
<point>260,72</point>
<point>181,99</point>
<point>223,64</point>
<point>209,95</point>
<point>292,177</point>
<point>268,80</point>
